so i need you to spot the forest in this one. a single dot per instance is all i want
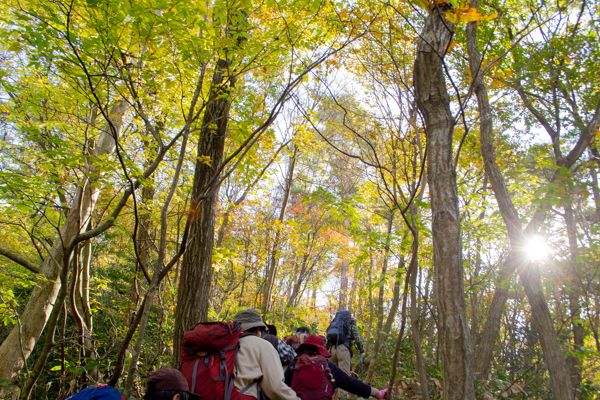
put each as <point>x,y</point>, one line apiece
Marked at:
<point>430,165</point>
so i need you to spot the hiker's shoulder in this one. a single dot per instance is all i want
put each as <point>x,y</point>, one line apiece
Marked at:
<point>253,341</point>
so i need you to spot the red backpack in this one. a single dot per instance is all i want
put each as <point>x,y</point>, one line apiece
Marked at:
<point>312,378</point>
<point>207,360</point>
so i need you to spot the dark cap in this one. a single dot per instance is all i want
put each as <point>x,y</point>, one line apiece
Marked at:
<point>303,329</point>
<point>272,329</point>
<point>169,379</point>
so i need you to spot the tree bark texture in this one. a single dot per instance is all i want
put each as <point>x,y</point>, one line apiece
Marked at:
<point>196,269</point>
<point>434,104</point>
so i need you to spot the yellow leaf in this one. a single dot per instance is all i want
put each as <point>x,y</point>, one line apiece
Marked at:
<point>206,160</point>
<point>468,14</point>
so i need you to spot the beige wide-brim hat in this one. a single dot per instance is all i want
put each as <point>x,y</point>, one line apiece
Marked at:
<point>249,318</point>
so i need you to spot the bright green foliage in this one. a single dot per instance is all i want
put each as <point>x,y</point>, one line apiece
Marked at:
<point>359,143</point>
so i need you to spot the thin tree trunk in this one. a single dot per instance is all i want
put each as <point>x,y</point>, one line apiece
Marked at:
<point>83,301</point>
<point>271,270</point>
<point>574,293</point>
<point>395,297</point>
<point>415,317</point>
<point>352,305</point>
<point>395,358</point>
<point>145,241</point>
<point>370,302</point>
<point>380,298</point>
<point>487,339</point>
<point>343,299</point>
<point>433,102</point>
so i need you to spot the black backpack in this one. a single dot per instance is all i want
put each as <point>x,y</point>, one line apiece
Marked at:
<point>338,331</point>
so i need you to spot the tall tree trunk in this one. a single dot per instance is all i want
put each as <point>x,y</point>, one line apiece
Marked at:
<point>17,347</point>
<point>380,298</point>
<point>488,337</point>
<point>352,305</point>
<point>271,270</point>
<point>395,358</point>
<point>395,296</point>
<point>415,320</point>
<point>434,104</point>
<point>145,242</point>
<point>83,303</point>
<point>343,299</point>
<point>370,301</point>
<point>574,293</point>
<point>196,269</point>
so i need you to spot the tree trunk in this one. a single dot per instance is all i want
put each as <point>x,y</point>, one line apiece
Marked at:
<point>145,242</point>
<point>274,259</point>
<point>415,321</point>
<point>343,299</point>
<point>574,293</point>
<point>196,269</point>
<point>17,347</point>
<point>487,339</point>
<point>370,301</point>
<point>434,104</point>
<point>380,298</point>
<point>395,358</point>
<point>395,297</point>
<point>352,304</point>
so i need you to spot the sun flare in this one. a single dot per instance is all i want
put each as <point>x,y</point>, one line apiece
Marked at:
<point>536,248</point>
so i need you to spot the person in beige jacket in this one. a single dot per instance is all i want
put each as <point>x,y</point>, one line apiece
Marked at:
<point>257,365</point>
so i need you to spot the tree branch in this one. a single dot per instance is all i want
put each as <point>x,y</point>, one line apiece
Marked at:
<point>22,262</point>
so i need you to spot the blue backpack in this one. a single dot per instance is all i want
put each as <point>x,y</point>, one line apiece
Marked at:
<point>338,331</point>
<point>97,393</point>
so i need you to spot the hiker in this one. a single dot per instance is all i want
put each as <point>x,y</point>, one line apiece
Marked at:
<point>168,384</point>
<point>271,329</point>
<point>285,351</point>
<point>297,338</point>
<point>257,364</point>
<point>100,392</point>
<point>342,333</point>
<point>313,376</point>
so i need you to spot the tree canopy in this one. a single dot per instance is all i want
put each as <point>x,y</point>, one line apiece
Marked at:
<point>430,165</point>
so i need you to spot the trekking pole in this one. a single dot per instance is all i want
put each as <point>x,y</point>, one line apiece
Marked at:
<point>361,363</point>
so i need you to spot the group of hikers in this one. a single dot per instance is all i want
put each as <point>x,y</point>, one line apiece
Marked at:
<point>245,360</point>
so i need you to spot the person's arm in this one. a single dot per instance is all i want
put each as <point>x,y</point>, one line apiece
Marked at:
<point>356,337</point>
<point>272,380</point>
<point>354,386</point>
<point>286,352</point>
<point>348,383</point>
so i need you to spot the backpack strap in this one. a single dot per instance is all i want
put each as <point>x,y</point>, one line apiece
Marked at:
<point>228,387</point>
<point>194,371</point>
<point>259,392</point>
